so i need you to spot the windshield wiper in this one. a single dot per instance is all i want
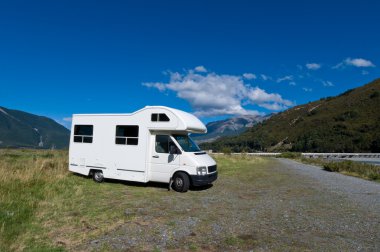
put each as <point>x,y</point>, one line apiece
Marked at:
<point>200,153</point>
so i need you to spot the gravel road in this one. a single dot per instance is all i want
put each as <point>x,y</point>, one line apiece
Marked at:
<point>280,205</point>
<point>359,191</point>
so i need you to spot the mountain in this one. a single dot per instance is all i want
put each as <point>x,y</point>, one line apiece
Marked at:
<point>20,129</point>
<point>228,127</point>
<point>349,122</point>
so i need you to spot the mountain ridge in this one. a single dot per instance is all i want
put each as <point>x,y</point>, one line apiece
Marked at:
<point>19,129</point>
<point>228,127</point>
<point>348,122</point>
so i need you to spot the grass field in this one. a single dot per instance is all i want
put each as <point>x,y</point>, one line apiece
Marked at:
<point>45,207</point>
<point>255,203</point>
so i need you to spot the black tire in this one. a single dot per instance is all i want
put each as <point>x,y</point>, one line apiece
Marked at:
<point>98,176</point>
<point>181,182</point>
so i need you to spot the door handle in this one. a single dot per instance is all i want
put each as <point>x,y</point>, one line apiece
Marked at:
<point>156,156</point>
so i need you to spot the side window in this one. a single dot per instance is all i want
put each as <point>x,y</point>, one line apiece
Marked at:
<point>127,134</point>
<point>159,118</point>
<point>83,133</point>
<point>162,143</point>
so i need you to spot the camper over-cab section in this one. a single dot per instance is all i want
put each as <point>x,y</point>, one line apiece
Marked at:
<point>152,144</point>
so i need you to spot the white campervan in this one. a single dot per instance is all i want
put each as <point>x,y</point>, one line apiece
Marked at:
<point>151,144</point>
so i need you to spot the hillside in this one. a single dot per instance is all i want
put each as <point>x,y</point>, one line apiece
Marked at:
<point>348,122</point>
<point>228,127</point>
<point>20,129</point>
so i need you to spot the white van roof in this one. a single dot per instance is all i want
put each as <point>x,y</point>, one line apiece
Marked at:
<point>188,122</point>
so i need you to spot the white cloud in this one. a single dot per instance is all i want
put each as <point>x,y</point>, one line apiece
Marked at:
<point>307,89</point>
<point>313,66</point>
<point>67,119</point>
<point>357,62</point>
<point>265,77</point>
<point>200,69</point>
<point>292,83</point>
<point>274,106</point>
<point>250,76</point>
<point>285,78</point>
<point>160,86</point>
<point>212,94</point>
<point>327,83</point>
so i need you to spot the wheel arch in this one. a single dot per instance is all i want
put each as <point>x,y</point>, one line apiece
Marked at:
<point>91,171</point>
<point>183,171</point>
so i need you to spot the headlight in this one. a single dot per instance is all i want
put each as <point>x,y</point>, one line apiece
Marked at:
<point>201,170</point>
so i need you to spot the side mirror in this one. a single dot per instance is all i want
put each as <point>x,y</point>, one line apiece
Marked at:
<point>173,149</point>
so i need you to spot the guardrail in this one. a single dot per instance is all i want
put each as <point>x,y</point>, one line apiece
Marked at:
<point>267,154</point>
<point>341,155</point>
<point>309,155</point>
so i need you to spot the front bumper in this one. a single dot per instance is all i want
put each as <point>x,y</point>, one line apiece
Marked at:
<point>200,180</point>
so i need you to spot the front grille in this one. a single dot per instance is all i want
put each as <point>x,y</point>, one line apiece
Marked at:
<point>212,168</point>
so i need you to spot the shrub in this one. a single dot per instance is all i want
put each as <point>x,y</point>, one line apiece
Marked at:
<point>226,150</point>
<point>374,95</point>
<point>367,171</point>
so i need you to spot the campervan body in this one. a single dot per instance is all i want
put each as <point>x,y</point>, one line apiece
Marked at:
<point>151,144</point>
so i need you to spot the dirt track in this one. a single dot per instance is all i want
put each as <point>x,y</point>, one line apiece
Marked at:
<point>271,205</point>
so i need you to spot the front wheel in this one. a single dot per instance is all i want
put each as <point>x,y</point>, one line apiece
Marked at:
<point>98,176</point>
<point>181,182</point>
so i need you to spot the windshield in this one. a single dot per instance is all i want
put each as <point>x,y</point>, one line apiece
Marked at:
<point>187,144</point>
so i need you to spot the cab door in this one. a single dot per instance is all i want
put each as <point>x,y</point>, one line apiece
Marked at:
<point>163,163</point>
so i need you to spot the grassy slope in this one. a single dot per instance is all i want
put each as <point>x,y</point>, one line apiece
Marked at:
<point>346,123</point>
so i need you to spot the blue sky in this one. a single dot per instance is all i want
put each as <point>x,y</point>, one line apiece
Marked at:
<point>212,58</point>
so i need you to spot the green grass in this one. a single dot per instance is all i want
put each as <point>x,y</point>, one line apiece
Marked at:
<point>44,207</point>
<point>351,168</point>
<point>367,171</point>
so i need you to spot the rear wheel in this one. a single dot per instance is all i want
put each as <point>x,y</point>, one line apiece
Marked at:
<point>98,176</point>
<point>181,182</point>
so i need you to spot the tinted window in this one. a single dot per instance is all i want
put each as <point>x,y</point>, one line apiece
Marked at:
<point>83,133</point>
<point>159,118</point>
<point>127,131</point>
<point>121,140</point>
<point>87,139</point>
<point>83,130</point>
<point>163,118</point>
<point>132,141</point>
<point>77,139</point>
<point>127,134</point>
<point>163,143</point>
<point>154,118</point>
